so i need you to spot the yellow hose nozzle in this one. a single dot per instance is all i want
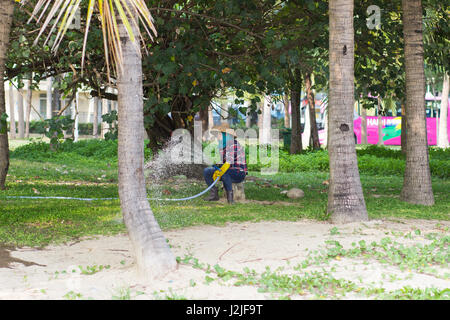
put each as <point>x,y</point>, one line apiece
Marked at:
<point>221,171</point>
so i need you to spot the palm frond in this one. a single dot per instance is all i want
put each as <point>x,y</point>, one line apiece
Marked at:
<point>60,14</point>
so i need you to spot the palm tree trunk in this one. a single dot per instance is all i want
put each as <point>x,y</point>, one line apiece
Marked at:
<point>417,182</point>
<point>443,131</point>
<point>312,112</point>
<point>345,196</point>
<point>6,13</point>
<point>296,133</point>
<point>153,255</point>
<point>12,116</point>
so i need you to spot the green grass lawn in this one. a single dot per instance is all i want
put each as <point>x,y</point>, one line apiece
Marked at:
<point>40,222</point>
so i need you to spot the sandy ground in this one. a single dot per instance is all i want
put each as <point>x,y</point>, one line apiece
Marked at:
<point>28,273</point>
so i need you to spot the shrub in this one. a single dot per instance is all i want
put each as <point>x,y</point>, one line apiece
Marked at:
<point>370,160</point>
<point>373,160</point>
<point>95,149</point>
<point>38,126</point>
<point>381,152</point>
<point>92,148</point>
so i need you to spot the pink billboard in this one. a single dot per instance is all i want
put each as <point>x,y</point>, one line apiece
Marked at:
<point>391,132</point>
<point>392,129</point>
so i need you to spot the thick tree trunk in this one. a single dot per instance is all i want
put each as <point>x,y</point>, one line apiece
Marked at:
<point>296,133</point>
<point>28,105</point>
<point>203,113</point>
<point>363,125</point>
<point>6,13</point>
<point>153,255</point>
<point>287,116</point>
<point>12,111</point>
<point>160,132</point>
<point>443,131</point>
<point>345,196</point>
<point>312,112</point>
<point>417,182</point>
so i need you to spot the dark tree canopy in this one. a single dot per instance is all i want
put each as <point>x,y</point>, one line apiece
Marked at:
<point>206,48</point>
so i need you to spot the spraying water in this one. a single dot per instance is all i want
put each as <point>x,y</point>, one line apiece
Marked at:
<point>174,160</point>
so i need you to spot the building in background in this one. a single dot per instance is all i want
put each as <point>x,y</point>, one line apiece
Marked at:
<point>84,114</point>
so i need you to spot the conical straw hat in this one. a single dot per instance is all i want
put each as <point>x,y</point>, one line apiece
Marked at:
<point>223,127</point>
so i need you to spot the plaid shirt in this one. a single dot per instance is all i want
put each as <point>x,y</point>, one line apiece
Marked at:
<point>234,154</point>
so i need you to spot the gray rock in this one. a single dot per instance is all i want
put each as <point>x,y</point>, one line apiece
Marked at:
<point>295,193</point>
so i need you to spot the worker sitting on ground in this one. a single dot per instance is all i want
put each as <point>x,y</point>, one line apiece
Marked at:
<point>231,152</point>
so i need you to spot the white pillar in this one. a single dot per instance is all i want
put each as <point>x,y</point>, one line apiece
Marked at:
<point>105,126</point>
<point>266,122</point>
<point>210,118</point>
<point>224,112</point>
<point>90,110</point>
<point>306,135</point>
<point>21,124</point>
<point>49,114</point>
<point>443,133</point>
<point>325,119</point>
<point>248,117</point>
<point>12,111</point>
<point>95,118</point>
<point>75,132</point>
<point>28,101</point>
